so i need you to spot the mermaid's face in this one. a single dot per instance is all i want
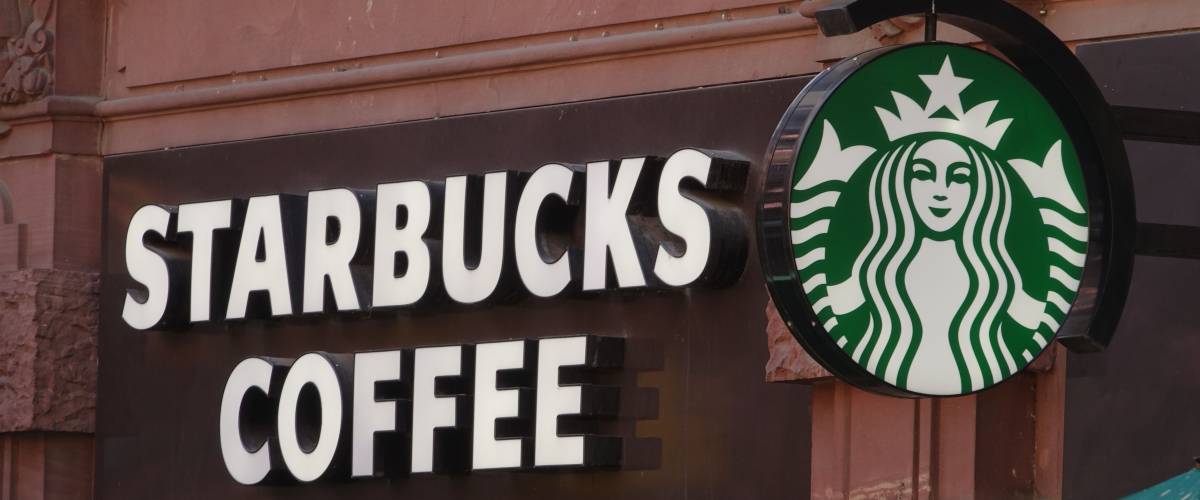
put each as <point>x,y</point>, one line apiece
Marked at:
<point>941,179</point>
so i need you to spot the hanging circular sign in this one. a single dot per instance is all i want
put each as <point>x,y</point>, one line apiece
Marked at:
<point>931,220</point>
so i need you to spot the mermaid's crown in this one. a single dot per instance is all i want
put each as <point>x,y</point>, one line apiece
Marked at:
<point>945,88</point>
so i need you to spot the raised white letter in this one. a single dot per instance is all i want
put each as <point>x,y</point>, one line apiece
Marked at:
<point>147,268</point>
<point>371,415</point>
<point>466,284</point>
<point>310,369</point>
<point>202,219</point>
<point>492,403</point>
<point>541,278</point>
<point>607,228</point>
<point>390,289</point>
<point>323,258</point>
<point>429,410</point>
<point>245,465</point>
<point>263,220</point>
<point>684,218</point>
<point>554,400</point>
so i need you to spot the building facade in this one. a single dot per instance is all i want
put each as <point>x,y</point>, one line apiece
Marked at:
<point>87,84</point>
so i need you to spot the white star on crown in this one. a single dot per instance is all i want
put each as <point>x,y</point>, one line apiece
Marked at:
<point>946,89</point>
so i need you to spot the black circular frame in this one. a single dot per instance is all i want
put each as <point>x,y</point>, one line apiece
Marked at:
<point>1051,67</point>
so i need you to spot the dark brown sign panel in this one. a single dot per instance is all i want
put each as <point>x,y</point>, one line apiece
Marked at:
<point>694,417</point>
<point>1131,411</point>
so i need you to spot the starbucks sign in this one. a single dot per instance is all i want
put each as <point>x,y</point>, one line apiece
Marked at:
<point>936,220</point>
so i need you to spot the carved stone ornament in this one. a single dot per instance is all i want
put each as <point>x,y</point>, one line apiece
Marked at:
<point>25,62</point>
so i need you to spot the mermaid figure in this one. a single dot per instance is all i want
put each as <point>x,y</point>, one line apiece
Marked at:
<point>936,273</point>
<point>942,295</point>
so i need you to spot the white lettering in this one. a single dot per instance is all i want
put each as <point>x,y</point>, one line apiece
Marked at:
<point>684,218</point>
<point>317,371</point>
<point>263,220</point>
<point>332,259</point>
<point>147,268</point>
<point>492,403</point>
<point>247,466</point>
<point>553,400</point>
<point>542,278</point>
<point>607,227</point>
<point>202,219</point>
<point>371,416</point>
<point>390,239</point>
<point>429,410</point>
<point>466,284</point>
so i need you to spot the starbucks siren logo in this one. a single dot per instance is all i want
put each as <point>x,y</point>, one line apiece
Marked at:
<point>940,245</point>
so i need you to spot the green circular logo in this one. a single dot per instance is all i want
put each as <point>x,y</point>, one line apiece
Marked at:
<point>938,219</point>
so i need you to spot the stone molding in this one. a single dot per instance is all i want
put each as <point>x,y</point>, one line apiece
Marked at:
<point>750,42</point>
<point>48,324</point>
<point>53,105</point>
<point>457,66</point>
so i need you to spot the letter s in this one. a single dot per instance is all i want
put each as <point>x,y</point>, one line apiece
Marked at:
<point>145,310</point>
